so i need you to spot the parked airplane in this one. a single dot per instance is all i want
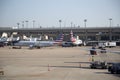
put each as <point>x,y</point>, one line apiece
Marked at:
<point>39,44</point>
<point>75,41</point>
<point>58,41</point>
<point>5,41</point>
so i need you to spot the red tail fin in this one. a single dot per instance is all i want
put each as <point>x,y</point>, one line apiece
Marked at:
<point>72,38</point>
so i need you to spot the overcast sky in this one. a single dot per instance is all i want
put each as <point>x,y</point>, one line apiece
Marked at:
<point>47,13</point>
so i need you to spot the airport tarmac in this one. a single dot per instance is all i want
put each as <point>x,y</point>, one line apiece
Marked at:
<point>54,63</point>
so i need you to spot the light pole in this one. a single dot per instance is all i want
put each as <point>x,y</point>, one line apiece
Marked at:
<point>26,24</point>
<point>22,24</point>
<point>71,24</point>
<point>110,33</point>
<point>18,25</point>
<point>85,20</point>
<point>60,23</point>
<point>33,23</point>
<point>99,36</point>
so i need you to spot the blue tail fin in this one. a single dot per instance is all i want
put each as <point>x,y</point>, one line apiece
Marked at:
<point>60,38</point>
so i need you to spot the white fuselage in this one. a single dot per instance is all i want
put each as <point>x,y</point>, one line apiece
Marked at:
<point>34,43</point>
<point>77,42</point>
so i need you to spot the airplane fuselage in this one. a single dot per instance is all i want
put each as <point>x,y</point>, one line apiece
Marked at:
<point>77,42</point>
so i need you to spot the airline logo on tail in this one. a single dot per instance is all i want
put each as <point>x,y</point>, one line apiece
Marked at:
<point>60,38</point>
<point>72,38</point>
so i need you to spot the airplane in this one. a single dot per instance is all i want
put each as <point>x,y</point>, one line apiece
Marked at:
<point>58,42</point>
<point>6,41</point>
<point>72,42</point>
<point>38,44</point>
<point>75,41</point>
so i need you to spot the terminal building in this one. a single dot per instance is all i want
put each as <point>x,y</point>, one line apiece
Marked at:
<point>85,34</point>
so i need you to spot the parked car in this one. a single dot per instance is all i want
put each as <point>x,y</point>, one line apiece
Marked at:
<point>67,44</point>
<point>103,50</point>
<point>114,68</point>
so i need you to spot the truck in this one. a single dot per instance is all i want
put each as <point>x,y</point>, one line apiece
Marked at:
<point>106,44</point>
<point>114,68</point>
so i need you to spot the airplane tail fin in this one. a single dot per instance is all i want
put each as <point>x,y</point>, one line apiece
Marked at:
<point>60,38</point>
<point>72,38</point>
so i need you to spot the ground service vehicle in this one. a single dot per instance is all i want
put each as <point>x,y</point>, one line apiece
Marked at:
<point>98,65</point>
<point>106,44</point>
<point>114,68</point>
<point>103,50</point>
